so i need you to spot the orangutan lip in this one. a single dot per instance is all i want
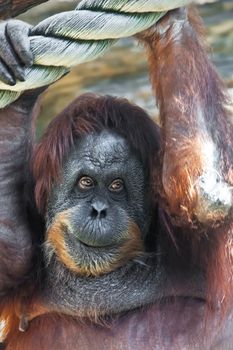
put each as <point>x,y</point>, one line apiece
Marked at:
<point>89,246</point>
<point>85,244</point>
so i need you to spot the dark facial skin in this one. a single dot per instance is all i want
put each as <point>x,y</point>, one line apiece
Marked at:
<point>103,192</point>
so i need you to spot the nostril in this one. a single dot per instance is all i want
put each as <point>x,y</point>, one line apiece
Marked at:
<point>94,213</point>
<point>103,214</point>
<point>98,213</point>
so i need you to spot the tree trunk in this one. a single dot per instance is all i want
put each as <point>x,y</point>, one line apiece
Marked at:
<point>12,8</point>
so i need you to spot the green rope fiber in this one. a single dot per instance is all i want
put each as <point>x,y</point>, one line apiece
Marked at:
<point>73,37</point>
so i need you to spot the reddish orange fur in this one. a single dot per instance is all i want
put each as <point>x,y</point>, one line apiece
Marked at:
<point>8,315</point>
<point>186,84</point>
<point>55,238</point>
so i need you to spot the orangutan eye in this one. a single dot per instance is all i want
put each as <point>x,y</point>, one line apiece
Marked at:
<point>116,186</point>
<point>85,183</point>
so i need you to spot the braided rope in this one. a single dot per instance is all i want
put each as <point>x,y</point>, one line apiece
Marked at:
<point>70,38</point>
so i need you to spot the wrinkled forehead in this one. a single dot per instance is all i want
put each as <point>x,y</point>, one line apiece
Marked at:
<point>103,149</point>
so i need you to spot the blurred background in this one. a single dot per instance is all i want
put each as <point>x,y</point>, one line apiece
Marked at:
<point>123,70</point>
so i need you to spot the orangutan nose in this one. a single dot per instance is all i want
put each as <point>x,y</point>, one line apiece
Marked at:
<point>99,210</point>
